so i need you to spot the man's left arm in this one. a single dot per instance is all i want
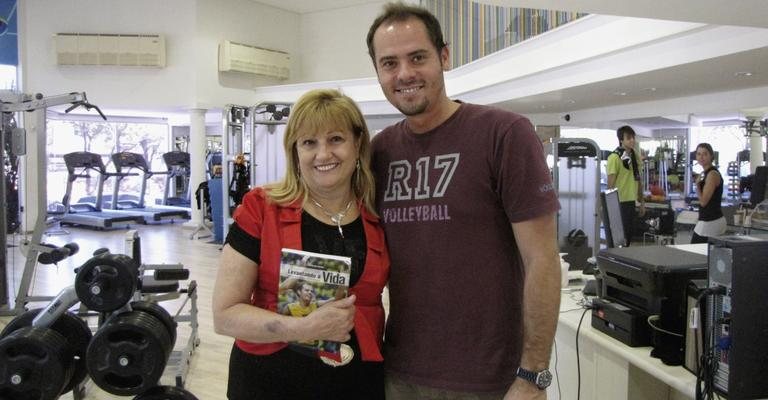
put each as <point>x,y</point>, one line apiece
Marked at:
<point>537,241</point>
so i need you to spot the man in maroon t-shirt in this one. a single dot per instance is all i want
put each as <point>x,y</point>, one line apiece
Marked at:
<point>468,207</point>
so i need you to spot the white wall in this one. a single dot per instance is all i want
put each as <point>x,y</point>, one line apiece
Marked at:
<point>119,87</point>
<point>334,42</point>
<point>192,30</point>
<point>242,21</point>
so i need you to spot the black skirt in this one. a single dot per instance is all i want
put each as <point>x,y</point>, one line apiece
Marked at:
<point>288,374</point>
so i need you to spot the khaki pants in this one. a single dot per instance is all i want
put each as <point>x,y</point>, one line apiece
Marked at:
<point>397,389</point>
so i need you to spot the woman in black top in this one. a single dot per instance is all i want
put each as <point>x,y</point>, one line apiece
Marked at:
<point>709,187</point>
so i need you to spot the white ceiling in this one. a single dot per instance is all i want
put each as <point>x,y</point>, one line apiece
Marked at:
<point>711,75</point>
<point>310,6</point>
<point>718,74</point>
<point>721,12</point>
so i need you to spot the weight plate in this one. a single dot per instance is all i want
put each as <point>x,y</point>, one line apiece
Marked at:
<point>128,354</point>
<point>35,364</point>
<point>72,328</point>
<point>157,311</point>
<point>106,282</point>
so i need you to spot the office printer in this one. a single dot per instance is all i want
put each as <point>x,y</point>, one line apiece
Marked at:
<point>642,282</point>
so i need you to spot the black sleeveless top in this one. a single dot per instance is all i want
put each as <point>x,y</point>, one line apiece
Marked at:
<point>712,210</point>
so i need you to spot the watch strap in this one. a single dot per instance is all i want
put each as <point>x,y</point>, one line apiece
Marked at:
<point>541,379</point>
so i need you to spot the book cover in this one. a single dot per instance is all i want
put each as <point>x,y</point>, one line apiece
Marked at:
<point>307,281</point>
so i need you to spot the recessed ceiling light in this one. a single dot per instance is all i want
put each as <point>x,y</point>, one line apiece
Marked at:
<point>742,74</point>
<point>650,89</point>
<point>571,101</point>
<point>619,93</point>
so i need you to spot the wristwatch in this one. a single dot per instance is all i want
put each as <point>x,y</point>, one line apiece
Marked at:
<point>541,379</point>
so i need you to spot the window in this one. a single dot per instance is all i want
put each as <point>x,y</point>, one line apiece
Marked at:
<point>105,138</point>
<point>8,77</point>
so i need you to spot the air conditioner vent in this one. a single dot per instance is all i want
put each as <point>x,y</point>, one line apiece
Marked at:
<point>255,60</point>
<point>110,49</point>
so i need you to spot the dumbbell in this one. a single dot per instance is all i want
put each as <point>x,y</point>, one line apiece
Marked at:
<point>107,281</point>
<point>42,362</point>
<point>58,253</point>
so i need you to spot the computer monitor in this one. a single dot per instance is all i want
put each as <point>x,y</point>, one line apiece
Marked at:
<point>759,186</point>
<point>613,224</point>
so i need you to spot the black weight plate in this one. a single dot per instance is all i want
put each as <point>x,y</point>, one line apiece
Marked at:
<point>157,311</point>
<point>74,330</point>
<point>106,282</point>
<point>128,354</point>
<point>35,363</point>
<point>166,393</point>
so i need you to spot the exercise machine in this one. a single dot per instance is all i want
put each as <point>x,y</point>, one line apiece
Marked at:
<point>576,176</point>
<point>78,165</point>
<point>33,249</point>
<point>239,134</point>
<point>125,162</point>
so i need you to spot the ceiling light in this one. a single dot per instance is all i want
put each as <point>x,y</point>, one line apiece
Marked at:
<point>619,93</point>
<point>742,74</point>
<point>571,101</point>
<point>650,89</point>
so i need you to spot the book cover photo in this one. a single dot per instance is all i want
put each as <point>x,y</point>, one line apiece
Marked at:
<point>307,281</point>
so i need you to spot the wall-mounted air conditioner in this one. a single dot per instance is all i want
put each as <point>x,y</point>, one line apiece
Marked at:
<point>255,60</point>
<point>110,49</point>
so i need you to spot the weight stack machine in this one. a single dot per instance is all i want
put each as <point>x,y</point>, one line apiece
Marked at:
<point>737,321</point>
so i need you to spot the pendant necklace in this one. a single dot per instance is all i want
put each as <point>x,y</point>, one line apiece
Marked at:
<point>335,218</point>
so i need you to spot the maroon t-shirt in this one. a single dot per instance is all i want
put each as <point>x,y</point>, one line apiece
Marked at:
<point>447,199</point>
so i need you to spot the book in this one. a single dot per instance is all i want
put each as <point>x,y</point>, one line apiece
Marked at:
<point>307,281</point>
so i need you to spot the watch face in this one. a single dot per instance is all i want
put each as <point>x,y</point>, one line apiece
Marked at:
<point>543,379</point>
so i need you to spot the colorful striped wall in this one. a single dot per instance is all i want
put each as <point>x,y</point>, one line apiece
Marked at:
<point>474,30</point>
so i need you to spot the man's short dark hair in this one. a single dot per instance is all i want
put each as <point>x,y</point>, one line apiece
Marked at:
<point>624,129</point>
<point>401,12</point>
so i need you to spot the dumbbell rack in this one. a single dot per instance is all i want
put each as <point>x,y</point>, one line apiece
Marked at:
<point>733,182</point>
<point>126,355</point>
<point>163,285</point>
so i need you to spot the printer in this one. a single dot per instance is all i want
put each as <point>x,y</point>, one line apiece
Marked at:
<point>643,297</point>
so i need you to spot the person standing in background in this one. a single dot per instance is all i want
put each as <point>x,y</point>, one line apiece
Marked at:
<point>468,206</point>
<point>623,169</point>
<point>709,188</point>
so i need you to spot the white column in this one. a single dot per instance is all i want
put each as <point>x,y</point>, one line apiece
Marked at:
<point>755,151</point>
<point>196,159</point>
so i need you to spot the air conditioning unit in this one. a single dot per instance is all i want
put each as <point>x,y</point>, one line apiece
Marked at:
<point>110,49</point>
<point>255,60</point>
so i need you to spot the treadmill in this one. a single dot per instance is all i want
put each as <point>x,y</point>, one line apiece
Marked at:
<point>124,163</point>
<point>178,165</point>
<point>91,214</point>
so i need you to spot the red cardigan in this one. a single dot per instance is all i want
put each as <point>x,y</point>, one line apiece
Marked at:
<point>280,226</point>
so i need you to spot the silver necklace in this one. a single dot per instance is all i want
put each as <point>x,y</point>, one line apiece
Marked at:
<point>335,218</point>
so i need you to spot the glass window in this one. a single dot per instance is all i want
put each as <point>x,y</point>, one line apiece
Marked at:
<point>150,139</point>
<point>727,141</point>
<point>8,77</point>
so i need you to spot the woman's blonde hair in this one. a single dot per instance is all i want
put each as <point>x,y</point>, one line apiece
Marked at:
<point>315,111</point>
